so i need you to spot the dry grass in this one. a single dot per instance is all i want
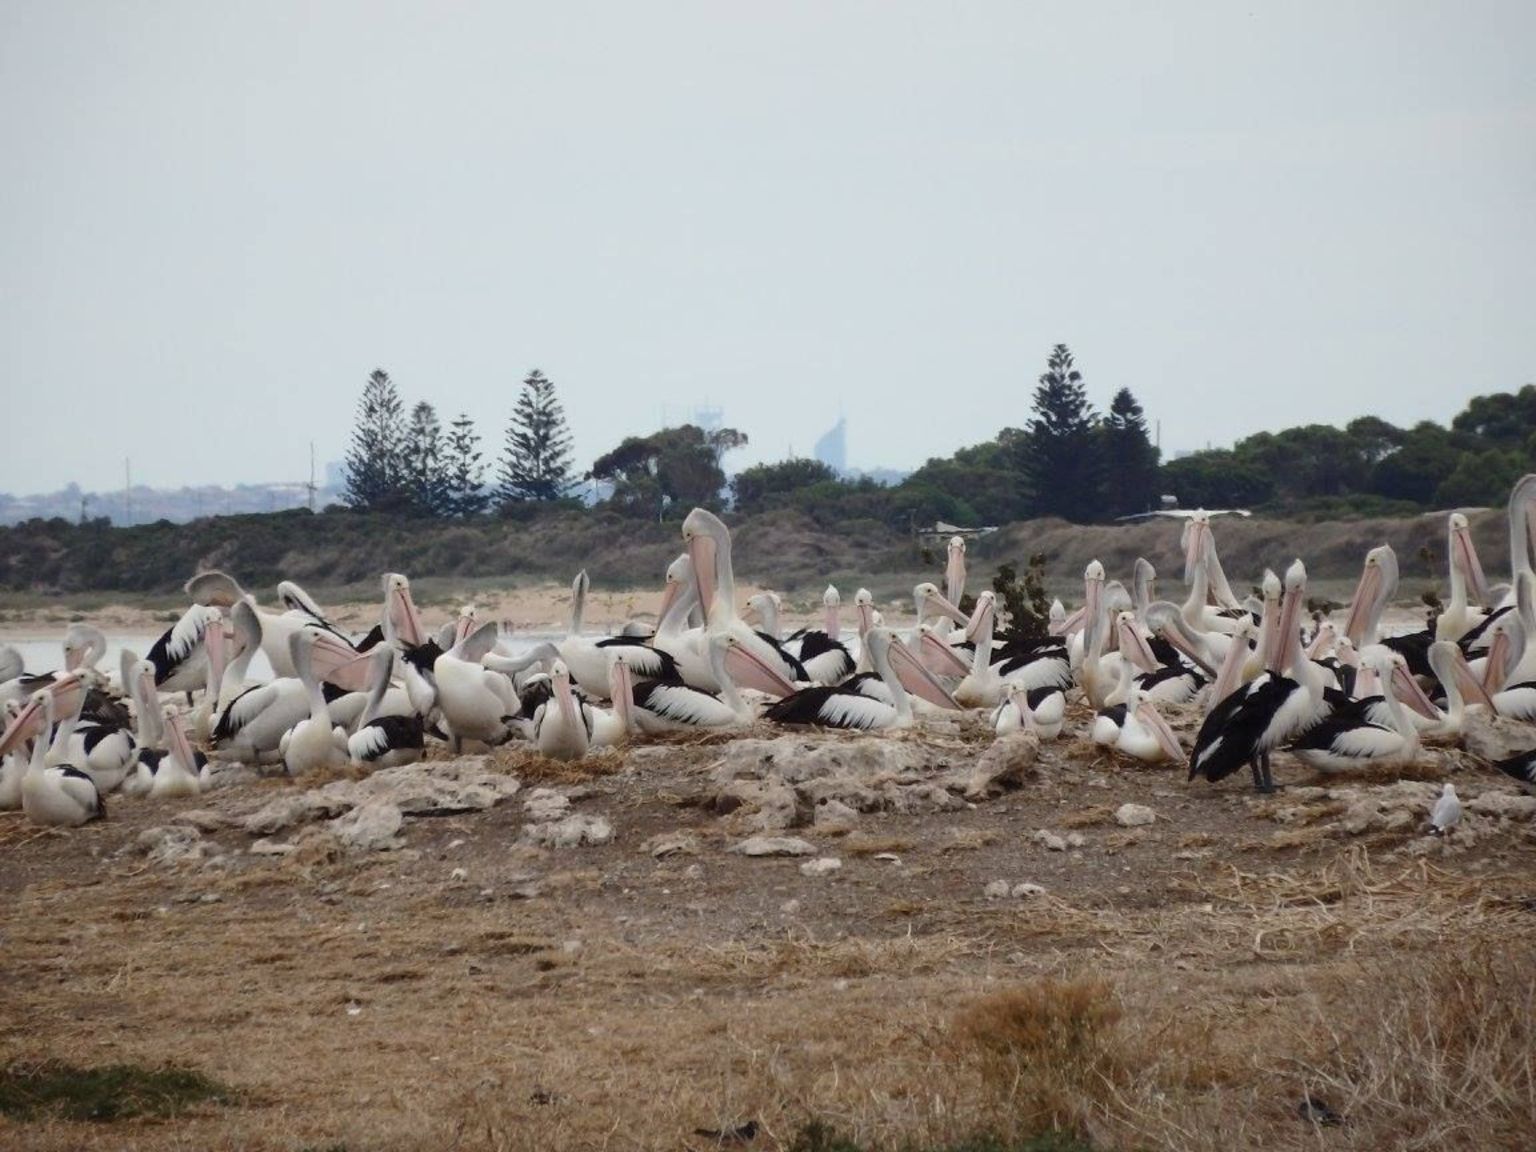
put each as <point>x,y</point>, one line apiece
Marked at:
<point>1046,1053</point>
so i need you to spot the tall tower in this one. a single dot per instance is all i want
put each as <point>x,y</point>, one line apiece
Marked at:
<point>832,448</point>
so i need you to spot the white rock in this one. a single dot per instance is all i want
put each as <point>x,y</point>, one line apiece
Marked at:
<point>370,827</point>
<point>281,814</point>
<point>571,832</point>
<point>996,890</point>
<point>1133,815</point>
<point>271,848</point>
<point>1007,763</point>
<point>173,844</point>
<point>773,846</point>
<point>458,875</point>
<point>1076,839</point>
<point>666,844</point>
<point>1050,841</point>
<point>1026,889</point>
<point>821,866</point>
<point>546,804</point>
<point>203,819</point>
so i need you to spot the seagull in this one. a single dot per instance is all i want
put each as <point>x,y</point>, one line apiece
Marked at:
<point>1447,813</point>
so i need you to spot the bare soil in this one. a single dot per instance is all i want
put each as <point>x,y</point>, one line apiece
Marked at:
<point>471,991</point>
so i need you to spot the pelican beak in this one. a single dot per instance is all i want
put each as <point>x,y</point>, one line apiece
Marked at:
<point>954,572</point>
<point>180,746</point>
<point>1175,637</point>
<point>1166,740</point>
<point>938,602</point>
<point>1290,609</point>
<point>27,724</point>
<point>337,661</point>
<point>669,597</point>
<point>149,696</point>
<point>983,620</point>
<point>1464,556</point>
<point>1133,646</point>
<point>1405,686</point>
<point>403,614</point>
<point>1366,593</point>
<point>830,624</point>
<point>621,688</point>
<point>866,617</point>
<point>1472,690</point>
<point>916,679</point>
<point>563,695</point>
<point>1195,533</point>
<point>750,670</point>
<point>938,657</point>
<point>1497,664</point>
<point>1074,622</point>
<point>702,551</point>
<point>213,643</point>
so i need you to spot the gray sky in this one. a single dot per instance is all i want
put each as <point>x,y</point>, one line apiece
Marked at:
<point>216,219</point>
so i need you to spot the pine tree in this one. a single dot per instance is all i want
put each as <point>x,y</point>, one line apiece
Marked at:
<point>466,475</point>
<point>537,460</point>
<point>1060,458</point>
<point>1130,460</point>
<point>375,465</point>
<point>426,480</point>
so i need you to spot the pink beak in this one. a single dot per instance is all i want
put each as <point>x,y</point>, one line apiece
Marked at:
<point>918,680</point>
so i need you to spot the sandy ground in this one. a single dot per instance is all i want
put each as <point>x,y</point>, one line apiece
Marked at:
<point>469,989</point>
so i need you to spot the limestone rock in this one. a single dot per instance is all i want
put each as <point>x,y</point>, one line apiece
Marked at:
<point>544,804</point>
<point>370,827</point>
<point>1007,763</point>
<point>822,866</point>
<point>671,844</point>
<point>571,832</point>
<point>773,846</point>
<point>203,819</point>
<point>1134,815</point>
<point>1050,841</point>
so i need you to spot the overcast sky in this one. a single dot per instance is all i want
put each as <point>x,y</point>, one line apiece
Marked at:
<point>217,218</point>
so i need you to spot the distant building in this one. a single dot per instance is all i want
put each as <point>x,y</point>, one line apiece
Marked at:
<point>832,448</point>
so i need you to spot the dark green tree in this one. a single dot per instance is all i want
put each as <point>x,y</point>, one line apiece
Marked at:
<point>1504,417</point>
<point>668,472</point>
<point>465,473</point>
<point>1130,460</point>
<point>426,478</point>
<point>536,462</point>
<point>774,485</point>
<point>375,461</point>
<point>1060,461</point>
<point>1216,478</point>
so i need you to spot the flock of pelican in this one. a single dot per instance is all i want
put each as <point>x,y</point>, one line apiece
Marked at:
<point>1264,675</point>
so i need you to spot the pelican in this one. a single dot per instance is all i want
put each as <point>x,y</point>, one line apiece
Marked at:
<point>301,614</point>
<point>1024,709</point>
<point>1377,586</point>
<point>1458,618</point>
<point>315,742</point>
<point>476,703</point>
<point>177,773</point>
<point>53,792</point>
<point>12,667</point>
<point>661,706</point>
<point>709,548</point>
<point>1349,738</point>
<point>13,766</point>
<point>1252,721</point>
<point>84,646</point>
<point>1144,734</point>
<point>587,659</point>
<point>385,739</point>
<point>822,653</point>
<point>180,656</point>
<point>837,707</point>
<point>251,722</point>
<point>562,725</point>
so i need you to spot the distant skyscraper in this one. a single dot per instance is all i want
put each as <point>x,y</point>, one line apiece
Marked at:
<point>832,448</point>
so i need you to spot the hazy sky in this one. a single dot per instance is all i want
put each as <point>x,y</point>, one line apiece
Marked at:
<point>217,218</point>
